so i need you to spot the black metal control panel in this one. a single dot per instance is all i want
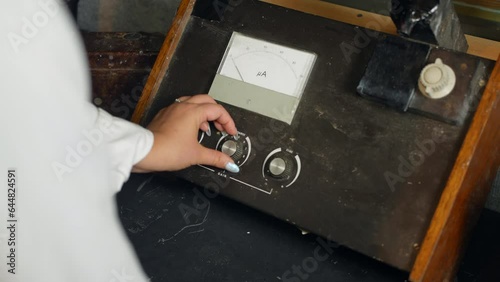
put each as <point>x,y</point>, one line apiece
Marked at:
<point>346,168</point>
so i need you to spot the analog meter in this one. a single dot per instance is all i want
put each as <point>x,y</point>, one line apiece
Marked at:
<point>262,77</point>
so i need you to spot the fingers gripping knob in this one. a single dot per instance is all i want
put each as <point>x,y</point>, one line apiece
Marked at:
<point>437,80</point>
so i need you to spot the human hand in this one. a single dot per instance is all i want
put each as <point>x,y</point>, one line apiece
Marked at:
<point>175,129</point>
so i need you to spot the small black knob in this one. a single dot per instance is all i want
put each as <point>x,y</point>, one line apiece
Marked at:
<point>281,167</point>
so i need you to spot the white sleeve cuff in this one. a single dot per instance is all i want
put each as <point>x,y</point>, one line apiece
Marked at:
<point>127,144</point>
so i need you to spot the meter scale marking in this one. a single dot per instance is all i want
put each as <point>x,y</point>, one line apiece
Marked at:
<point>267,52</point>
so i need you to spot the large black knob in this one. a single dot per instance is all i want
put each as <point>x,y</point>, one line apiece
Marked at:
<point>234,149</point>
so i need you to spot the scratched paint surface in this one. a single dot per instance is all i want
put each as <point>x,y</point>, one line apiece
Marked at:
<point>222,240</point>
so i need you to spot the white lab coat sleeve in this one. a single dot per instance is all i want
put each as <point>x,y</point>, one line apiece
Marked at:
<point>127,144</point>
<point>69,157</point>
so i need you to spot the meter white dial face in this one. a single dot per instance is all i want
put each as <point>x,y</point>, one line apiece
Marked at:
<point>267,65</point>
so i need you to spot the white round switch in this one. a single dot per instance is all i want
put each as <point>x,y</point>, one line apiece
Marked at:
<point>437,80</point>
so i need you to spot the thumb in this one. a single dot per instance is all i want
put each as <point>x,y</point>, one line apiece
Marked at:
<point>217,159</point>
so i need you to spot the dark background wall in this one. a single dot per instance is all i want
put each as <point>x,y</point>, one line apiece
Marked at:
<point>126,15</point>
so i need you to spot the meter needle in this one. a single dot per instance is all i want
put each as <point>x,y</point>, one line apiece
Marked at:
<point>237,69</point>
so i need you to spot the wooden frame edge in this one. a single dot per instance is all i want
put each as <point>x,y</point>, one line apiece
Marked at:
<point>465,193</point>
<point>164,58</point>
